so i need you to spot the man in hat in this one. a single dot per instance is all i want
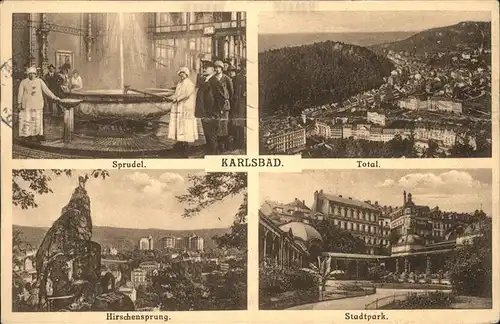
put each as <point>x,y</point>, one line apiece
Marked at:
<point>206,107</point>
<point>237,115</point>
<point>51,80</point>
<point>30,104</point>
<point>232,72</point>
<point>225,96</point>
<point>63,80</point>
<point>227,66</point>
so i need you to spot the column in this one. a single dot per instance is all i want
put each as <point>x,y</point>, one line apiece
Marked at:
<point>237,55</point>
<point>282,254</point>
<point>407,265</point>
<point>69,124</point>
<point>428,265</point>
<point>215,45</point>
<point>264,254</point>
<point>43,32</point>
<point>89,39</point>
<point>277,252</point>
<point>357,269</point>
<point>397,265</point>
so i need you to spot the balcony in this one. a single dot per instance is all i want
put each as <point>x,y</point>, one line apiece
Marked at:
<point>222,25</point>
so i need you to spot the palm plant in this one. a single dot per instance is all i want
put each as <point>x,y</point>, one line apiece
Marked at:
<point>323,271</point>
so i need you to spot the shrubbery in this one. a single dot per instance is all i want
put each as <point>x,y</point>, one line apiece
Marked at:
<point>433,300</point>
<point>376,273</point>
<point>274,280</point>
<point>470,268</point>
<point>181,287</point>
<point>350,287</point>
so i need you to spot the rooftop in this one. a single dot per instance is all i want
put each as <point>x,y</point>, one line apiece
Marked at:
<point>298,203</point>
<point>347,201</point>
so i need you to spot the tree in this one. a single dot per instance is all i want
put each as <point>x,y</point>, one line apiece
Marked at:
<point>432,149</point>
<point>27,183</point>
<point>19,249</point>
<point>470,266</point>
<point>208,189</point>
<point>237,237</point>
<point>462,146</point>
<point>317,74</point>
<point>393,237</point>
<point>375,272</point>
<point>337,239</point>
<point>478,216</point>
<point>483,144</point>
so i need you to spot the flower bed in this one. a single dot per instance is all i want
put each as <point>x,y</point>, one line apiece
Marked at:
<point>432,300</point>
<point>288,299</point>
<point>282,288</point>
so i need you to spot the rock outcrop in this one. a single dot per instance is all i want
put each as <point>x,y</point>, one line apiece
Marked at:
<point>67,261</point>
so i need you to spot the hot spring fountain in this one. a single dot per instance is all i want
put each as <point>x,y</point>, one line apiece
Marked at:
<point>124,112</point>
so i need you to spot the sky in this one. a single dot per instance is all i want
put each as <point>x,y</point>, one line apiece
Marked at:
<point>451,190</point>
<point>130,199</point>
<point>362,21</point>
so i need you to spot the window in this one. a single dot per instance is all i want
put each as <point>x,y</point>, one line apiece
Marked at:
<point>170,21</point>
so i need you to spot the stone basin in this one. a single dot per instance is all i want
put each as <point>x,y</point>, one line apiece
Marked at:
<point>116,105</point>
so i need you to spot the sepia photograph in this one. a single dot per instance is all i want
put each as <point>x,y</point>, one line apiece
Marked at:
<point>359,181</point>
<point>136,85</point>
<point>103,241</point>
<point>378,239</point>
<point>375,84</point>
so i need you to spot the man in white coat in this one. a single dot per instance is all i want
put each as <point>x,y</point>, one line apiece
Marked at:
<point>183,126</point>
<point>30,104</point>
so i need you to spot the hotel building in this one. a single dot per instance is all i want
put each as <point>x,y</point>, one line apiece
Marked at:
<point>287,140</point>
<point>146,243</point>
<point>361,218</point>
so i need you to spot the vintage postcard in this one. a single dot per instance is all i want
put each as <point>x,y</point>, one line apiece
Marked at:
<point>250,162</point>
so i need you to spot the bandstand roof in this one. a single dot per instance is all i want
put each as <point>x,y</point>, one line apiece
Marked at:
<point>305,232</point>
<point>355,256</point>
<point>422,252</point>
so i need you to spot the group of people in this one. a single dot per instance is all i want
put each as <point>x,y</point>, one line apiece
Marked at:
<point>218,99</point>
<point>61,82</point>
<point>30,98</point>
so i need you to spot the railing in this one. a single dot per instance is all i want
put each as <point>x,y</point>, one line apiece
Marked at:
<point>50,300</point>
<point>380,302</point>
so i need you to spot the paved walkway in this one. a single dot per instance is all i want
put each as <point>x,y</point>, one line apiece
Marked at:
<point>355,302</point>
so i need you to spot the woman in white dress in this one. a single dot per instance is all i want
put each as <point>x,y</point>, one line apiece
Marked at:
<point>183,126</point>
<point>30,103</point>
<point>76,81</point>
